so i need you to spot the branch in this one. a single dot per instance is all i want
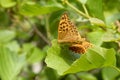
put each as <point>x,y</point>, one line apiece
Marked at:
<point>80,12</point>
<point>41,35</point>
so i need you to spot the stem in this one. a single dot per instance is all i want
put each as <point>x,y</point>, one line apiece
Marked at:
<point>116,68</point>
<point>80,12</point>
<point>47,27</point>
<point>84,7</point>
<point>38,32</point>
<point>41,35</point>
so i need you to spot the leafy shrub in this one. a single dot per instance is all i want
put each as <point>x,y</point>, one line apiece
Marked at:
<point>28,40</point>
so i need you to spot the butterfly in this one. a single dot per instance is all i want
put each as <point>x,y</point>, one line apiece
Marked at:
<point>68,33</point>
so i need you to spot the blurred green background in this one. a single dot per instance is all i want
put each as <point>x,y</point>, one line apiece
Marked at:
<point>28,40</point>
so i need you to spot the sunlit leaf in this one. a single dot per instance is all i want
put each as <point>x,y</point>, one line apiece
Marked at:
<point>110,73</point>
<point>86,76</point>
<point>59,58</point>
<point>7,3</point>
<point>62,60</point>
<point>95,8</point>
<point>96,57</point>
<point>10,63</point>
<point>34,54</point>
<point>96,21</point>
<point>83,1</point>
<point>111,36</point>
<point>36,9</point>
<point>6,35</point>
<point>94,39</point>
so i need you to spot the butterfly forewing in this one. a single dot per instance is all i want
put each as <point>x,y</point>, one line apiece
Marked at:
<point>67,32</point>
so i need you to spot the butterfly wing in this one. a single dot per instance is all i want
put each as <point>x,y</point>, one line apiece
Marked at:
<point>67,32</point>
<point>77,48</point>
<point>80,48</point>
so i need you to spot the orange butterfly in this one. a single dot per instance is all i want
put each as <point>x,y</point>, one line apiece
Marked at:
<point>68,33</point>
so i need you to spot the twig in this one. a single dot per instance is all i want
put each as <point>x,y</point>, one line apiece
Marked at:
<point>84,7</point>
<point>117,23</point>
<point>80,12</point>
<point>47,27</point>
<point>41,35</point>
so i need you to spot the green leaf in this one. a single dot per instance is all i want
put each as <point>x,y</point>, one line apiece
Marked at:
<point>34,54</point>
<point>110,73</point>
<point>10,63</point>
<point>6,35</point>
<point>64,61</point>
<point>112,18</point>
<point>4,19</point>
<point>111,5</point>
<point>96,37</point>
<point>83,1</point>
<point>7,3</point>
<point>36,9</point>
<point>97,22</point>
<point>71,77</point>
<point>95,57</point>
<point>95,8</point>
<point>51,74</point>
<point>110,35</point>
<point>13,46</point>
<point>86,76</point>
<point>59,58</point>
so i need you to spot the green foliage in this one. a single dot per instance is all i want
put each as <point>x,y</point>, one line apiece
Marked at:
<point>7,3</point>
<point>6,35</point>
<point>36,9</point>
<point>86,76</point>
<point>110,74</point>
<point>94,58</point>
<point>28,36</point>
<point>10,62</point>
<point>33,53</point>
<point>97,41</point>
<point>95,8</point>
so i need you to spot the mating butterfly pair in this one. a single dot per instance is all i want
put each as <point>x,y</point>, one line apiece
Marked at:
<point>68,33</point>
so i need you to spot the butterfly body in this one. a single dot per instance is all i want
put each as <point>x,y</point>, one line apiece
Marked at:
<point>68,33</point>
